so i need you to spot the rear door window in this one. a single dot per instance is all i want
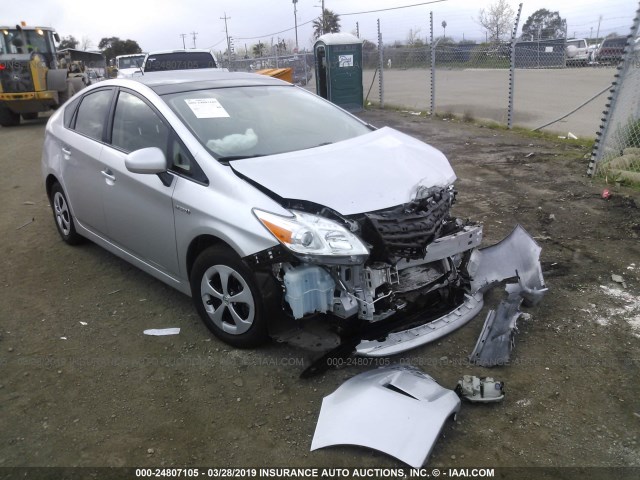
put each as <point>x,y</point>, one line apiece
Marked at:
<point>92,114</point>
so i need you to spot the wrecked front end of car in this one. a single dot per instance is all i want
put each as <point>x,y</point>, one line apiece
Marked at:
<point>389,278</point>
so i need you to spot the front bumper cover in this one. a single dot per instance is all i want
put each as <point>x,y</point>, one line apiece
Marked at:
<point>517,256</point>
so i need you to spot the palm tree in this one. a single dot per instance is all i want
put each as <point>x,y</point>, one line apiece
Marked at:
<point>327,23</point>
<point>258,50</point>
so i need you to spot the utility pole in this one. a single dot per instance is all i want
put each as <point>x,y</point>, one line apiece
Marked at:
<point>226,32</point>
<point>183,44</point>
<point>194,35</point>
<point>295,20</point>
<point>598,32</point>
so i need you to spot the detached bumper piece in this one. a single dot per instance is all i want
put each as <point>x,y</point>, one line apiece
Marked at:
<point>517,256</point>
<point>497,337</point>
<point>399,342</point>
<point>397,410</point>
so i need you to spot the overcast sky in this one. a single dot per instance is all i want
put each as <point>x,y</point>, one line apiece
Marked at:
<point>157,24</point>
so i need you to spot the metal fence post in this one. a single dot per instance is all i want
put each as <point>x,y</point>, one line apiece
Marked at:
<point>380,65</point>
<point>433,65</point>
<point>512,69</point>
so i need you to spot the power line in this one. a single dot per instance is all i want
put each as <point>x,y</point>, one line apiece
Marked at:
<point>341,15</point>
<point>274,33</point>
<point>392,8</point>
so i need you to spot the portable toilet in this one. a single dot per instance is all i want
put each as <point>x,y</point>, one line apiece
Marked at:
<point>338,58</point>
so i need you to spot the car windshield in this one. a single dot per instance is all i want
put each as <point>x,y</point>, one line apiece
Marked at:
<point>244,122</point>
<point>179,61</point>
<point>131,62</point>
<point>25,41</point>
<point>614,42</point>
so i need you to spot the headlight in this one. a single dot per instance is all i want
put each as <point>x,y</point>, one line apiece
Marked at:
<point>313,238</point>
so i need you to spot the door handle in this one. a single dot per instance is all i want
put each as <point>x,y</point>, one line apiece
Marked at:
<point>108,175</point>
<point>66,151</point>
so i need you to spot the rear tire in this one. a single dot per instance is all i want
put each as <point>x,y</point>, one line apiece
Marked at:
<point>62,216</point>
<point>226,296</point>
<point>63,96</point>
<point>9,118</point>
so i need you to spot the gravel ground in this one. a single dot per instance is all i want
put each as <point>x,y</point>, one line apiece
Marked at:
<point>80,385</point>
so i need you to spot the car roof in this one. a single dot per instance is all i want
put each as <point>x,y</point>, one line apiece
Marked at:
<point>190,50</point>
<point>174,81</point>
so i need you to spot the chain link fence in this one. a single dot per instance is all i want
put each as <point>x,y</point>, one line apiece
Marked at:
<point>616,153</point>
<point>552,84</point>
<point>556,84</point>
<point>301,64</point>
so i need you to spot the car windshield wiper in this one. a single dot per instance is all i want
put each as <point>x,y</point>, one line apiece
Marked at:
<point>240,157</point>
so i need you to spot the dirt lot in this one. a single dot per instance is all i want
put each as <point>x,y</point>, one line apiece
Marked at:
<point>82,386</point>
<point>484,93</point>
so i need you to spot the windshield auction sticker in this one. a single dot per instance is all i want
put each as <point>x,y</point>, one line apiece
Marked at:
<point>206,108</point>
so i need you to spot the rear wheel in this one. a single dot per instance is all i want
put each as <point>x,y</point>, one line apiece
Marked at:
<point>63,96</point>
<point>9,118</point>
<point>62,216</point>
<point>227,298</point>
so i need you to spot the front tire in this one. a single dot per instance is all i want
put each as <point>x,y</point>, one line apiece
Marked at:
<point>62,216</point>
<point>9,118</point>
<point>227,298</point>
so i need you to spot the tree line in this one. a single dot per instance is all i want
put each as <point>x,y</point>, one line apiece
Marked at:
<point>497,20</point>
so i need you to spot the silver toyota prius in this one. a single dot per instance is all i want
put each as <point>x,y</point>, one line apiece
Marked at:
<point>274,210</point>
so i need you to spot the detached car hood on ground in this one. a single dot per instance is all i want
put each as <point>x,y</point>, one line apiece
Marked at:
<point>374,171</point>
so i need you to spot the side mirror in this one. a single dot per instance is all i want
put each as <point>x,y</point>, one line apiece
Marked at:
<point>146,160</point>
<point>56,36</point>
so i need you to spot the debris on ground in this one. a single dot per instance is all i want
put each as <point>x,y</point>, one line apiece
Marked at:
<point>158,332</point>
<point>618,279</point>
<point>480,389</point>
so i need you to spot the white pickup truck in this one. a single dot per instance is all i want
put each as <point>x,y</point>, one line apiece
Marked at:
<point>577,52</point>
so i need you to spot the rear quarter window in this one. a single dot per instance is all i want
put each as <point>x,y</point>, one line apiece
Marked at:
<point>69,110</point>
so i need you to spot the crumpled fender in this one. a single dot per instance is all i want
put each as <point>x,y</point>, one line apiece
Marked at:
<point>515,256</point>
<point>398,410</point>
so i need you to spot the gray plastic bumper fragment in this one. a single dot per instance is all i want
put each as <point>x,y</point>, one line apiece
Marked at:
<point>398,410</point>
<point>516,256</point>
<point>399,342</point>
<point>496,339</point>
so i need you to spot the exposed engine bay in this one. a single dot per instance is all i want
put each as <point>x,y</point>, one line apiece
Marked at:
<point>418,281</point>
